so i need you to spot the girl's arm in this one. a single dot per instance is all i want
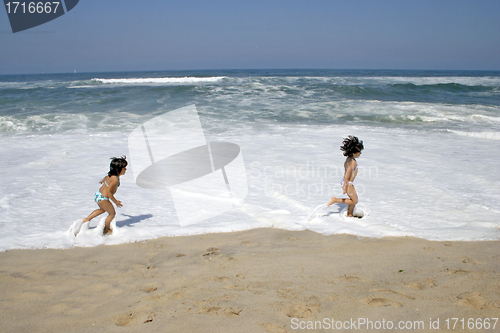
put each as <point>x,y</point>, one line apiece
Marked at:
<point>347,177</point>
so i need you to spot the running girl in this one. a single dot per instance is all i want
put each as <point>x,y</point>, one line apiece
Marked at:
<point>352,148</point>
<point>106,193</point>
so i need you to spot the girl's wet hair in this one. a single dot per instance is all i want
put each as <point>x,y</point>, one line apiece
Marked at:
<point>116,166</point>
<point>351,145</point>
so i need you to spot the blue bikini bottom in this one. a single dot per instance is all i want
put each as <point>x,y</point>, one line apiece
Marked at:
<point>99,197</point>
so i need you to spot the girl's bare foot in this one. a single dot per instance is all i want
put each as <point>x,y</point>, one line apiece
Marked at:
<point>332,201</point>
<point>107,231</point>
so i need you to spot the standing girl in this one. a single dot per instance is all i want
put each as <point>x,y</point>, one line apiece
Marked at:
<point>352,148</point>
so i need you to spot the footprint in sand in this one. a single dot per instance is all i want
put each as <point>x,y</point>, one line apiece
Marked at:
<point>135,318</point>
<point>238,287</point>
<point>300,310</point>
<point>420,285</point>
<point>271,328</point>
<point>149,288</point>
<point>356,279</point>
<point>250,244</point>
<point>392,292</point>
<point>213,251</point>
<point>473,300</point>
<point>380,301</point>
<point>220,311</point>
<point>467,260</point>
<point>220,278</point>
<point>458,271</point>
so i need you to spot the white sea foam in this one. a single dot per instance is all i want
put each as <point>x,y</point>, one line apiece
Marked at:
<point>161,80</point>
<point>429,169</point>
<point>49,84</point>
<point>409,186</point>
<point>62,122</point>
<point>487,81</point>
<point>462,80</point>
<point>479,135</point>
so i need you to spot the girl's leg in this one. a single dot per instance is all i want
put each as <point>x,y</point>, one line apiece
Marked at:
<point>352,201</point>
<point>351,192</point>
<point>95,213</point>
<point>107,206</point>
<point>340,200</point>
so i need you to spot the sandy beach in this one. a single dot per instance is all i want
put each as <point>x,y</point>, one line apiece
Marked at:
<point>261,280</point>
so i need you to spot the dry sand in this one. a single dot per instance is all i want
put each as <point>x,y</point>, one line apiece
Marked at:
<point>252,281</point>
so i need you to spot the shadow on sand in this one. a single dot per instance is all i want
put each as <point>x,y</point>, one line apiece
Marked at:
<point>133,219</point>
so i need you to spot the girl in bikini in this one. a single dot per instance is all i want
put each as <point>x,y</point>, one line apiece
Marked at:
<point>352,148</point>
<point>105,194</point>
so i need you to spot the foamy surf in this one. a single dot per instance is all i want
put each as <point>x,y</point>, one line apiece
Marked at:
<point>429,168</point>
<point>315,212</point>
<point>161,80</point>
<point>361,211</point>
<point>86,236</point>
<point>478,135</point>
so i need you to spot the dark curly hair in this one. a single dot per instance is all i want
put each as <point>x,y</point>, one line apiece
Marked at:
<point>116,166</point>
<point>351,146</point>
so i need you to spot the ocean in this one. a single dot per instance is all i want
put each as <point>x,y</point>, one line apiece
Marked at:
<point>429,168</point>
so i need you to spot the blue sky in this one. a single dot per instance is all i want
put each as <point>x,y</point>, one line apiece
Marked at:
<point>125,35</point>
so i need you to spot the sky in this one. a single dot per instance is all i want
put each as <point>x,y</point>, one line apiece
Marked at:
<point>126,35</point>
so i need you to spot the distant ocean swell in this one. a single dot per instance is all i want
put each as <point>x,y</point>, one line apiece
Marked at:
<point>462,104</point>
